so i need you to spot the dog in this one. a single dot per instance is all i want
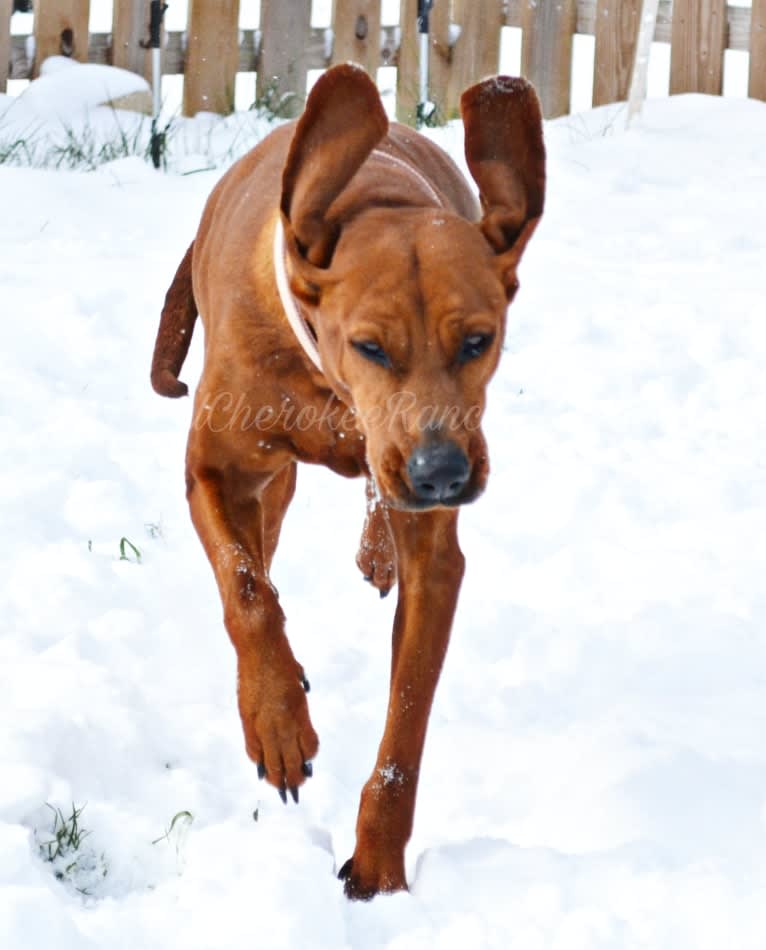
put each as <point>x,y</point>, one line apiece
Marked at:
<point>353,294</point>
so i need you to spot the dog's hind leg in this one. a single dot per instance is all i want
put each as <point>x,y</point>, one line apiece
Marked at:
<point>376,558</point>
<point>430,571</point>
<point>238,517</point>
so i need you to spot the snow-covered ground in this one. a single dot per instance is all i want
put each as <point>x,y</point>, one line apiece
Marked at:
<point>595,774</point>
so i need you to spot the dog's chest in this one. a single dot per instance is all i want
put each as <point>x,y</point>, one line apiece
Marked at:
<point>326,433</point>
<point>311,425</point>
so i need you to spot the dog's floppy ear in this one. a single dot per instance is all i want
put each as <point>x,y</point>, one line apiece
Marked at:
<point>343,121</point>
<point>506,156</point>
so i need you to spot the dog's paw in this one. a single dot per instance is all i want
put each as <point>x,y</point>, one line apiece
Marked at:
<point>360,887</point>
<point>279,736</point>
<point>376,558</point>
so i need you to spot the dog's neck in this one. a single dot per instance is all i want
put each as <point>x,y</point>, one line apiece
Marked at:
<point>412,172</point>
<point>295,318</point>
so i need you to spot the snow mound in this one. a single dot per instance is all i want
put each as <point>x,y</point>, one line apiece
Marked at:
<point>67,89</point>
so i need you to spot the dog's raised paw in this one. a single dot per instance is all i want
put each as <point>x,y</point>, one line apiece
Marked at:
<point>377,561</point>
<point>376,558</point>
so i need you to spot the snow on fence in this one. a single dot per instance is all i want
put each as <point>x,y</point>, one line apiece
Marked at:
<point>465,42</point>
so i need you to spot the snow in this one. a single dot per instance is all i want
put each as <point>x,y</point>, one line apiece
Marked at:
<point>595,772</point>
<point>66,88</point>
<point>59,121</point>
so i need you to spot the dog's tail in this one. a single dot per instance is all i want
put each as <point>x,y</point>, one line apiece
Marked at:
<point>175,332</point>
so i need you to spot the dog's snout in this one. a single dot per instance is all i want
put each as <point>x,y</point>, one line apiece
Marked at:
<point>438,471</point>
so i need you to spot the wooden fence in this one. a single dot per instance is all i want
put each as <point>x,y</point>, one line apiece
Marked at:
<point>465,45</point>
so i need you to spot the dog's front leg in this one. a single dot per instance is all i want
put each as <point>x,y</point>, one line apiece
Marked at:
<point>430,571</point>
<point>238,521</point>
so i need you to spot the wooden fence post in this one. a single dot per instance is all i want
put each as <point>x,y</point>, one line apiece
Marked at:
<point>130,26</point>
<point>283,59</point>
<point>617,23</point>
<point>697,45</point>
<point>546,51</point>
<point>407,63</point>
<point>477,51</point>
<point>5,42</point>
<point>61,29</point>
<point>212,56</point>
<point>757,83</point>
<point>356,26</point>
<point>442,61</point>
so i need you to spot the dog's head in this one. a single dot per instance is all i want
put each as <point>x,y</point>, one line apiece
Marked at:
<point>409,302</point>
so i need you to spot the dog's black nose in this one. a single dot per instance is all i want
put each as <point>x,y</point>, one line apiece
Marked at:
<point>438,471</point>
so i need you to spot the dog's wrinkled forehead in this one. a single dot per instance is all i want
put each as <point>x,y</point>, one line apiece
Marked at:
<point>452,252</point>
<point>432,259</point>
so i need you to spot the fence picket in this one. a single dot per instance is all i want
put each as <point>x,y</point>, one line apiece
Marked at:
<point>211,56</point>
<point>617,23</point>
<point>407,63</point>
<point>357,33</point>
<point>284,56</point>
<point>130,25</point>
<point>442,62</point>
<point>697,45</point>
<point>757,83</point>
<point>476,54</point>
<point>546,52</point>
<point>61,29</point>
<point>5,42</point>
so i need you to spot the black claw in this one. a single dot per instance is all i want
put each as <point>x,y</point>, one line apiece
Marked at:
<point>261,770</point>
<point>305,684</point>
<point>345,871</point>
<point>368,578</point>
<point>294,794</point>
<point>308,769</point>
<point>385,593</point>
<point>283,795</point>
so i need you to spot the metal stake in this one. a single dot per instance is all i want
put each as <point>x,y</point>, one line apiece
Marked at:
<point>156,12</point>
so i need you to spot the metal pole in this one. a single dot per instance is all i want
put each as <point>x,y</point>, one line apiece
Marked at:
<point>156,12</point>
<point>156,83</point>
<point>425,107</point>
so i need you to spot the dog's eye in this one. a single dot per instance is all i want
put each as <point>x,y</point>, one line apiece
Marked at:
<point>373,352</point>
<point>473,346</point>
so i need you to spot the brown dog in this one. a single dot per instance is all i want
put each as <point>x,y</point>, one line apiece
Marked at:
<point>353,296</point>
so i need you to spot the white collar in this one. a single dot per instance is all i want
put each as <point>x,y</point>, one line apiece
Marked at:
<point>299,325</point>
